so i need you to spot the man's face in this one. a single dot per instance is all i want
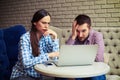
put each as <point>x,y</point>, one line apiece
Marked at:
<point>82,31</point>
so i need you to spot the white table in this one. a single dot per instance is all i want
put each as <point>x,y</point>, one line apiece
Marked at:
<point>98,68</point>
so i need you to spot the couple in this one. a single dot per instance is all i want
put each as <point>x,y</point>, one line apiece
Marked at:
<point>41,43</point>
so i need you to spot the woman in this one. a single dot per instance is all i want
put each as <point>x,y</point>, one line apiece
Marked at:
<point>36,46</point>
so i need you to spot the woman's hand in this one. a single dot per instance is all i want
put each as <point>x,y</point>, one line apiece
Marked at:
<point>53,54</point>
<point>74,27</point>
<point>52,33</point>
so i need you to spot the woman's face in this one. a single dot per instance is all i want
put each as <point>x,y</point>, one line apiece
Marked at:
<point>43,24</point>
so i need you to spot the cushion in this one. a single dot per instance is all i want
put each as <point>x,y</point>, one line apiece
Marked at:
<point>11,38</point>
<point>4,62</point>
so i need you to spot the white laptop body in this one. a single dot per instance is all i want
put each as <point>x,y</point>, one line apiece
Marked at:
<point>75,55</point>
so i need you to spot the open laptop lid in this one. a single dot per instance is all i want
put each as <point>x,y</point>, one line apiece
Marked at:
<point>71,55</point>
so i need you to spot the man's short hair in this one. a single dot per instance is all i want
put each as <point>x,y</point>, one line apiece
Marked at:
<point>82,18</point>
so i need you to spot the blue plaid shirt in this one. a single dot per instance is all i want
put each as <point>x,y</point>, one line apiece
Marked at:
<point>26,61</point>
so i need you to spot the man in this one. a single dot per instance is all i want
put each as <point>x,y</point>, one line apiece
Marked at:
<point>83,34</point>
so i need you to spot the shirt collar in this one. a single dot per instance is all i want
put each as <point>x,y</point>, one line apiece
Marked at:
<point>89,36</point>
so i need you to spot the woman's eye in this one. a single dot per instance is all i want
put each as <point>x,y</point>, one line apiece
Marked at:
<point>45,23</point>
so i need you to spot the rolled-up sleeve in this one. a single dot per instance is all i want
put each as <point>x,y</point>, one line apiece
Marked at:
<point>70,41</point>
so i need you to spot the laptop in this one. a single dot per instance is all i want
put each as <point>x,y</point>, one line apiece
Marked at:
<point>76,55</point>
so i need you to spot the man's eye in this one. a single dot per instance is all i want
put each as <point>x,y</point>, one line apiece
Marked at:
<point>83,30</point>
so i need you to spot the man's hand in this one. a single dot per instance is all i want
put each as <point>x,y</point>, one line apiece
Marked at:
<point>74,27</point>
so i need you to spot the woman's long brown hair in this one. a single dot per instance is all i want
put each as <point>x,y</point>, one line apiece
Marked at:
<point>34,43</point>
<point>33,37</point>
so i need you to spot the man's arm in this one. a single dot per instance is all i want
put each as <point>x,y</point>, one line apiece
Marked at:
<point>99,40</point>
<point>73,36</point>
<point>70,41</point>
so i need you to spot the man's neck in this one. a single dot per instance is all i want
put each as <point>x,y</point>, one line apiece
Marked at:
<point>82,42</point>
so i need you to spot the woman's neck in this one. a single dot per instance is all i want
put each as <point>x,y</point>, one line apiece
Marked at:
<point>38,34</point>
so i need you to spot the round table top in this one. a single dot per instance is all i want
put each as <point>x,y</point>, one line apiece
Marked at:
<point>96,69</point>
